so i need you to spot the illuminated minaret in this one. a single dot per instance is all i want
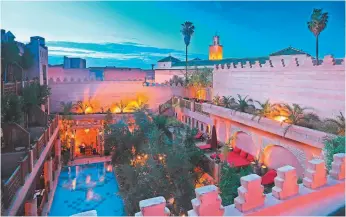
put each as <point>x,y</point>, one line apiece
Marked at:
<point>215,50</point>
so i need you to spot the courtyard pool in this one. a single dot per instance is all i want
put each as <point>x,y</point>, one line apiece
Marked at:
<point>87,187</point>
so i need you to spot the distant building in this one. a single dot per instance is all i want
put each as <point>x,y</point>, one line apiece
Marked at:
<point>74,63</point>
<point>7,36</point>
<point>215,50</point>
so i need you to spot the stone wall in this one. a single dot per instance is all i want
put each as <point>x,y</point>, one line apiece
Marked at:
<point>319,194</point>
<point>286,81</point>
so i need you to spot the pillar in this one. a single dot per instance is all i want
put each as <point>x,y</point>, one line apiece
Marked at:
<point>217,167</point>
<point>192,105</point>
<point>30,207</point>
<point>57,146</point>
<point>250,193</point>
<point>31,160</point>
<point>72,151</point>
<point>153,207</point>
<point>285,183</point>
<point>338,166</point>
<point>48,173</point>
<point>207,202</point>
<point>315,175</point>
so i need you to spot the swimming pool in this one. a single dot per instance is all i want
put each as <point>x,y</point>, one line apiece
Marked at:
<point>87,187</point>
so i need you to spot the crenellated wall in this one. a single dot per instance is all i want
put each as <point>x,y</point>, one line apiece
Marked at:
<point>319,195</point>
<point>106,93</point>
<point>285,80</point>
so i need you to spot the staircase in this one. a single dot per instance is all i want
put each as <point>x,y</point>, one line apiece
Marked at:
<point>166,108</point>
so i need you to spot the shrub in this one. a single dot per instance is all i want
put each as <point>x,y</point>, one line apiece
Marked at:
<point>107,153</point>
<point>333,146</point>
<point>11,109</point>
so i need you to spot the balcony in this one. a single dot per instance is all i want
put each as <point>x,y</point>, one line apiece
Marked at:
<point>18,166</point>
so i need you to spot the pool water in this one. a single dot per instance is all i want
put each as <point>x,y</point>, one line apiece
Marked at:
<point>87,187</point>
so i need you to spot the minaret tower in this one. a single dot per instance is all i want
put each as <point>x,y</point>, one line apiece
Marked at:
<point>215,50</point>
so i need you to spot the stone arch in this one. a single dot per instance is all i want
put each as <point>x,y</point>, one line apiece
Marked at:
<point>277,155</point>
<point>244,141</point>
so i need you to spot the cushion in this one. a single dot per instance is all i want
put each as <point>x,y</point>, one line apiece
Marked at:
<point>236,149</point>
<point>243,154</point>
<point>269,177</point>
<point>206,146</point>
<point>236,161</point>
<point>250,158</point>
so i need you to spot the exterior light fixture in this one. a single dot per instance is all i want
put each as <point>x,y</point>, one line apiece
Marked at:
<point>86,130</point>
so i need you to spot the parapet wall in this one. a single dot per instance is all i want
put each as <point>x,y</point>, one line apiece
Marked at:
<point>297,81</point>
<point>319,194</point>
<point>106,93</point>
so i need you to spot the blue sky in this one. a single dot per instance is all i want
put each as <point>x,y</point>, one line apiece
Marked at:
<point>136,34</point>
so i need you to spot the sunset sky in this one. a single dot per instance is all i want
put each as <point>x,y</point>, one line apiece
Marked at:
<point>137,34</point>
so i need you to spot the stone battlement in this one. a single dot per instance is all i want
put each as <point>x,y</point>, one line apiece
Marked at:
<point>318,195</point>
<point>328,63</point>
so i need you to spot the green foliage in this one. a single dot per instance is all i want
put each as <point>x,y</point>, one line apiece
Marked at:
<point>230,181</point>
<point>333,146</point>
<point>187,30</point>
<point>176,80</point>
<point>35,94</point>
<point>27,59</point>
<point>9,56</point>
<point>66,156</point>
<point>265,111</point>
<point>108,120</point>
<point>339,122</point>
<point>227,101</point>
<point>201,78</point>
<point>168,167</point>
<point>11,109</point>
<point>216,100</point>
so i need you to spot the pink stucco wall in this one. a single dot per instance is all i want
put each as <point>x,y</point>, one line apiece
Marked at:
<point>123,74</point>
<point>61,73</point>
<point>320,87</point>
<point>106,93</point>
<point>163,75</point>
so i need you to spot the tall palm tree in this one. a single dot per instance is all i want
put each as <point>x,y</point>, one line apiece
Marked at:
<point>187,30</point>
<point>318,22</point>
<point>340,123</point>
<point>295,115</point>
<point>265,111</point>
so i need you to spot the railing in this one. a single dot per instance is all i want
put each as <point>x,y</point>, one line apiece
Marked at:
<point>11,186</point>
<point>185,103</point>
<point>199,109</point>
<point>14,87</point>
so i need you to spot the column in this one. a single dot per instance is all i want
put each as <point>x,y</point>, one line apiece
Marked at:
<point>207,202</point>
<point>72,151</point>
<point>48,173</point>
<point>57,146</point>
<point>153,207</point>
<point>30,207</point>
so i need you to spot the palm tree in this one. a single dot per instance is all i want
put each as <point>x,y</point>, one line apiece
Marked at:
<point>295,115</point>
<point>340,123</point>
<point>242,103</point>
<point>216,100</point>
<point>318,22</point>
<point>265,111</point>
<point>227,101</point>
<point>187,30</point>
<point>83,106</point>
<point>122,105</point>
<point>66,107</point>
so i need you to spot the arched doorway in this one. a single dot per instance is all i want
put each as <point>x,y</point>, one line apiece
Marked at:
<point>244,142</point>
<point>275,156</point>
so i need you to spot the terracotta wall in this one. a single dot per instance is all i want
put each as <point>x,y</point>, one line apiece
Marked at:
<point>320,87</point>
<point>106,93</point>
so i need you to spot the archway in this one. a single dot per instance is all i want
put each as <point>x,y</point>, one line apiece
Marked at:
<point>244,142</point>
<point>275,156</point>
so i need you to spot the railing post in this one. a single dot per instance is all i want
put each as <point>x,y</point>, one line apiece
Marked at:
<point>338,166</point>
<point>31,160</point>
<point>31,207</point>
<point>22,172</point>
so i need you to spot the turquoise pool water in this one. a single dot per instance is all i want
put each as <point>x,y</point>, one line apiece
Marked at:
<point>87,187</point>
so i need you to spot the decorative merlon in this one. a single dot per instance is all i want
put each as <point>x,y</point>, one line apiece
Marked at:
<point>250,193</point>
<point>207,202</point>
<point>338,166</point>
<point>315,175</point>
<point>285,183</point>
<point>153,207</point>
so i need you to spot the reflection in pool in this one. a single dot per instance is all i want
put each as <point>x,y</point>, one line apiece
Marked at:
<point>87,187</point>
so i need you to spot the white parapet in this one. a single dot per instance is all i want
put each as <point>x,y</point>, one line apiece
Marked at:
<point>153,207</point>
<point>285,183</point>
<point>338,166</point>
<point>250,193</point>
<point>315,175</point>
<point>207,202</point>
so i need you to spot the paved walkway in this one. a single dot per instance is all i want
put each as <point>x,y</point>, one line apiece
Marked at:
<point>89,160</point>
